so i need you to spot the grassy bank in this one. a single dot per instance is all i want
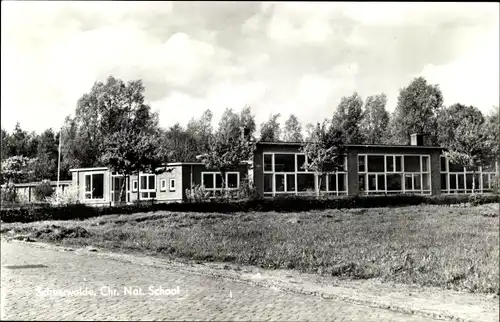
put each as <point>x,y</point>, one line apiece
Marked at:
<point>449,247</point>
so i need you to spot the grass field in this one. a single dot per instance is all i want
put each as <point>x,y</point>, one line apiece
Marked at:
<point>448,247</point>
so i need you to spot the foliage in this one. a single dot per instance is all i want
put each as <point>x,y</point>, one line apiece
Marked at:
<point>347,118</point>
<point>129,133</point>
<point>325,152</point>
<point>375,120</point>
<point>198,132</point>
<point>416,112</point>
<point>247,190</point>
<point>47,155</point>
<point>247,122</point>
<point>293,130</point>
<point>182,144</point>
<point>8,193</point>
<point>229,148</point>
<point>68,196</point>
<point>453,120</point>
<point>270,131</point>
<point>197,194</point>
<point>492,130</point>
<point>43,190</point>
<point>17,169</point>
<point>279,204</point>
<point>466,140</point>
<point>20,143</point>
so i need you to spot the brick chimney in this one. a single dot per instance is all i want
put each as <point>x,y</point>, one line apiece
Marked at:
<point>417,139</point>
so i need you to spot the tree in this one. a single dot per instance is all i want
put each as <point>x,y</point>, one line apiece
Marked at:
<point>325,152</point>
<point>466,141</point>
<point>492,134</point>
<point>229,149</point>
<point>131,137</point>
<point>347,118</point>
<point>47,155</point>
<point>375,120</point>
<point>17,169</point>
<point>21,143</point>
<point>182,144</point>
<point>5,139</point>
<point>200,130</point>
<point>449,119</point>
<point>293,130</point>
<point>247,121</point>
<point>270,130</point>
<point>131,151</point>
<point>416,112</point>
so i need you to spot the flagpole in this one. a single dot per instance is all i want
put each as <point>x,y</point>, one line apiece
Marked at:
<point>58,165</point>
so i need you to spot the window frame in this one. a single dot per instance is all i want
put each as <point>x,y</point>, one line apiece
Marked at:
<point>148,190</point>
<point>457,175</point>
<point>91,191</point>
<point>297,171</point>
<point>401,172</point>
<point>163,185</point>
<point>171,187</point>
<point>215,173</point>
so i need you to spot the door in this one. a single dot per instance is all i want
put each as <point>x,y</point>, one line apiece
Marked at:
<point>116,187</point>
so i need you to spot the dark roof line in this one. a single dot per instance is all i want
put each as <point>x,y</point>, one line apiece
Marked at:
<point>354,145</point>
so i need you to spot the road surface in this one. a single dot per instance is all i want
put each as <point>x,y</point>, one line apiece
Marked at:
<point>46,284</point>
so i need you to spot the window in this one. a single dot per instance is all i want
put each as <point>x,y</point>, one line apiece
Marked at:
<point>285,173</point>
<point>134,185</point>
<point>284,162</point>
<point>361,163</point>
<point>147,186</point>
<point>383,174</point>
<point>232,180</point>
<point>268,162</point>
<point>301,160</point>
<point>94,186</point>
<point>268,183</point>
<point>213,181</point>
<point>412,163</point>
<point>163,185</point>
<point>171,185</point>
<point>375,163</point>
<point>457,179</point>
<point>305,182</point>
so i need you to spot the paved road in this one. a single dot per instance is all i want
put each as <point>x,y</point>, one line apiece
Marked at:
<point>30,293</point>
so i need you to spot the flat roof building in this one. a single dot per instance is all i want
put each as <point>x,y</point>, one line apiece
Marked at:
<point>277,169</point>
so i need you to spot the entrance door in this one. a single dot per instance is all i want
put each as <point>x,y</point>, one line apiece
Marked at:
<point>116,188</point>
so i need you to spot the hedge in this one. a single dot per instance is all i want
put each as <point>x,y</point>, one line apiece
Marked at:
<point>278,204</point>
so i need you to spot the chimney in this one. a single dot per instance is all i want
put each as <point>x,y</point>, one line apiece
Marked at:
<point>417,139</point>
<point>245,132</point>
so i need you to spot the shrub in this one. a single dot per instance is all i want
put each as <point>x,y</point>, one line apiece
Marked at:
<point>198,194</point>
<point>64,197</point>
<point>495,184</point>
<point>43,190</point>
<point>247,190</point>
<point>281,203</point>
<point>8,193</point>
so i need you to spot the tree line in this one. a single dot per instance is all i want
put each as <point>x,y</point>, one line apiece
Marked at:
<point>113,126</point>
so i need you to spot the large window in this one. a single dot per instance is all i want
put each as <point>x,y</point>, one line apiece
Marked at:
<point>213,181</point>
<point>94,186</point>
<point>147,186</point>
<point>457,179</point>
<point>390,174</point>
<point>285,173</point>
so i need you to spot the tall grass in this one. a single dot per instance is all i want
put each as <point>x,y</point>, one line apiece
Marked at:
<point>448,247</point>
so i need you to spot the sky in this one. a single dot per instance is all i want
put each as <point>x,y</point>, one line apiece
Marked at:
<point>286,57</point>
